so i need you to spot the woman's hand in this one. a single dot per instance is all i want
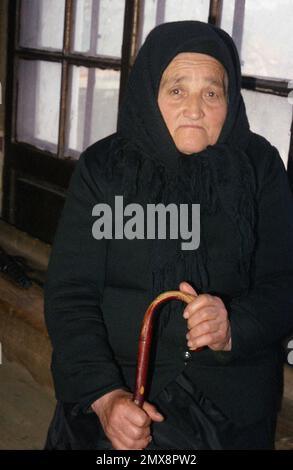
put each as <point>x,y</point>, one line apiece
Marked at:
<point>125,424</point>
<point>207,321</point>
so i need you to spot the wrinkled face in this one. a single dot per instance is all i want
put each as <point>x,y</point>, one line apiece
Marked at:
<point>192,100</point>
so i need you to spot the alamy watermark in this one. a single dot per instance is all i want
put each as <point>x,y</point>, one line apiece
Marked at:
<point>158,222</point>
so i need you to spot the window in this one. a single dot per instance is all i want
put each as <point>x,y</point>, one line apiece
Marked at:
<point>68,66</point>
<point>266,45</point>
<point>262,33</point>
<point>64,81</point>
<point>65,42</point>
<point>93,105</point>
<point>38,99</point>
<point>154,12</point>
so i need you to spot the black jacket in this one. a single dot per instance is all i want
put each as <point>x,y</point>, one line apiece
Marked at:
<point>97,292</point>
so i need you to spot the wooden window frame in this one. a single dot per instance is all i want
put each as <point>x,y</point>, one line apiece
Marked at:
<point>28,165</point>
<point>52,172</point>
<point>277,87</point>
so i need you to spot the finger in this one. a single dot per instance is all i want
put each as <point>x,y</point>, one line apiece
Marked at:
<point>209,339</point>
<point>125,443</point>
<point>137,416</point>
<point>201,301</point>
<point>187,288</point>
<point>152,412</point>
<point>203,328</point>
<point>126,433</point>
<point>204,314</point>
<point>133,433</point>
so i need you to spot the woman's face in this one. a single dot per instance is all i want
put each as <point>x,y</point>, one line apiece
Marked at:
<point>192,100</point>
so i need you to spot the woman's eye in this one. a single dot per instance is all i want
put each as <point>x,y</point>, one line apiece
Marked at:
<point>212,95</point>
<point>175,91</point>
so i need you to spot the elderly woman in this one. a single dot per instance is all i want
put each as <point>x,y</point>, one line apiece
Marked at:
<point>216,369</point>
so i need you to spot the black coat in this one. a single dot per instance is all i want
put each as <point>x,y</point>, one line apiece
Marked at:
<point>97,292</point>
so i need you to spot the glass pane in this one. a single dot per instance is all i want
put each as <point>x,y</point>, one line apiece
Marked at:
<point>267,38</point>
<point>227,16</point>
<point>93,106</point>
<point>266,48</point>
<point>270,116</point>
<point>162,11</point>
<point>38,102</point>
<point>98,27</point>
<point>42,23</point>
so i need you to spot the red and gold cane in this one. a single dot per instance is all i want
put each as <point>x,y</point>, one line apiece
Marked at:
<point>146,339</point>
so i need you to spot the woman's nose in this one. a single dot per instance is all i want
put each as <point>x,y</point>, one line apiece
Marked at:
<point>193,107</point>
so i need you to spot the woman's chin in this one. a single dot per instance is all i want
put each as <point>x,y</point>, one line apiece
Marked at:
<point>190,149</point>
<point>188,144</point>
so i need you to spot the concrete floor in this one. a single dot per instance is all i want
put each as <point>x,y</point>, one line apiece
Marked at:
<point>26,409</point>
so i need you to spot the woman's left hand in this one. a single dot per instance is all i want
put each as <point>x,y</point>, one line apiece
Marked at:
<point>207,321</point>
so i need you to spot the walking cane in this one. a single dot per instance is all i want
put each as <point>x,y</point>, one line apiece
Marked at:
<point>145,340</point>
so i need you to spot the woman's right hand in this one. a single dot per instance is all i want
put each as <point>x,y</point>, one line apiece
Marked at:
<point>125,424</point>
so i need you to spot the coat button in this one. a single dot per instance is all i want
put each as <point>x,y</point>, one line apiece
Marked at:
<point>186,356</point>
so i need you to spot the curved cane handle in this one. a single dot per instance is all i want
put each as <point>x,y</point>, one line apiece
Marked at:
<point>145,340</point>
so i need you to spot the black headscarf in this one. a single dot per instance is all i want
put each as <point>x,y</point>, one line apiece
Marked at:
<point>140,119</point>
<point>219,175</point>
